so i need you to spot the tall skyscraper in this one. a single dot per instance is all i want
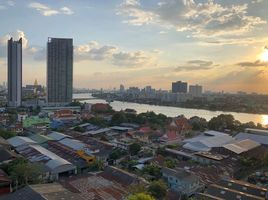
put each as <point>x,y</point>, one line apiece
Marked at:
<point>14,72</point>
<point>196,90</point>
<point>59,71</point>
<point>179,87</point>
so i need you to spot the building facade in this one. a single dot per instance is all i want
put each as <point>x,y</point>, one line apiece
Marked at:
<point>179,87</point>
<point>14,72</point>
<point>195,90</point>
<point>59,71</point>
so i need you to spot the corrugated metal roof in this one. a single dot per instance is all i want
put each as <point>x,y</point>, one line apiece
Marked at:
<point>242,146</point>
<point>73,144</point>
<point>40,138</point>
<point>19,140</point>
<point>214,133</point>
<point>257,138</point>
<point>205,143</point>
<point>99,131</point>
<point>57,135</point>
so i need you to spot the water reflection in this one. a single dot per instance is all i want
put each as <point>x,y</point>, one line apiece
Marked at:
<point>175,111</point>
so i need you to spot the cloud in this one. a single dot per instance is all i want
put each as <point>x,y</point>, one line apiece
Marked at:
<point>94,51</point>
<point>36,52</point>
<point>201,19</point>
<point>131,59</point>
<point>5,5</point>
<point>66,11</point>
<point>47,11</point>
<point>257,1</point>
<point>257,63</point>
<point>194,65</point>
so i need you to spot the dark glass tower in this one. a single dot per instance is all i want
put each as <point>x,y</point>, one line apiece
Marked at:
<point>59,71</point>
<point>14,72</point>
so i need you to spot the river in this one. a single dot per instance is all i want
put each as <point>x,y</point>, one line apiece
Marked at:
<point>175,111</point>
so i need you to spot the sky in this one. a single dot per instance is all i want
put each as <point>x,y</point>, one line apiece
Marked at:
<point>220,44</point>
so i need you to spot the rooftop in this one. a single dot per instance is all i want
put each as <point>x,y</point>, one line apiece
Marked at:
<point>239,147</point>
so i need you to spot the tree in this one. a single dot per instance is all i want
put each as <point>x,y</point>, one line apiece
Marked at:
<point>152,170</point>
<point>119,118</point>
<point>6,134</point>
<point>134,149</point>
<point>222,122</point>
<point>98,121</point>
<point>158,189</point>
<point>170,163</point>
<point>96,165</point>
<point>23,172</point>
<point>140,196</point>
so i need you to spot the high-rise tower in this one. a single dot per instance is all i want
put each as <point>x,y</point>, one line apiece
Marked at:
<point>14,72</point>
<point>59,71</point>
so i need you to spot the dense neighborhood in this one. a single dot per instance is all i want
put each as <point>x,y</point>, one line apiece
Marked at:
<point>89,151</point>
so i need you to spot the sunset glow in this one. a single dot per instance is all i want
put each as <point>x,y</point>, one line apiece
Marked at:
<point>264,56</point>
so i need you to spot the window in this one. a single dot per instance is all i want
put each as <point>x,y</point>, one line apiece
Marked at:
<point>238,197</point>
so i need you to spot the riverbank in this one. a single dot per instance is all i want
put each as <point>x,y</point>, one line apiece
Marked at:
<point>213,108</point>
<point>175,111</point>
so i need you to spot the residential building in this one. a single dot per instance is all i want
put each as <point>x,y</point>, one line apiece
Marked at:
<point>122,88</point>
<point>59,71</point>
<point>14,72</point>
<point>195,90</point>
<point>179,87</point>
<point>233,189</point>
<point>181,180</point>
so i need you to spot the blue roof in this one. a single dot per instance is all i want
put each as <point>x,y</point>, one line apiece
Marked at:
<point>257,138</point>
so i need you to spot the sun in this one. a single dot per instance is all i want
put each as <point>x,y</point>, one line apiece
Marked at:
<point>264,55</point>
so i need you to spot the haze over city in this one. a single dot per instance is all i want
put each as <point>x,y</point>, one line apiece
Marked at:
<point>140,43</point>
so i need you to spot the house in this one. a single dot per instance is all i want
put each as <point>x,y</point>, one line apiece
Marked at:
<point>180,125</point>
<point>181,180</point>
<point>207,141</point>
<point>208,157</point>
<point>100,107</point>
<point>170,137</point>
<point>227,189</point>
<point>240,147</point>
<point>35,121</point>
<point>64,115</point>
<point>262,139</point>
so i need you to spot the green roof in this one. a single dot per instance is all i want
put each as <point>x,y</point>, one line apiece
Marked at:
<point>40,139</point>
<point>34,120</point>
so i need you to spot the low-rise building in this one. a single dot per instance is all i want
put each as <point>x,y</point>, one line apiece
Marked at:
<point>181,180</point>
<point>227,189</point>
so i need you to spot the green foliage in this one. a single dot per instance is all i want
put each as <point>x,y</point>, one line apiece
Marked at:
<point>98,121</point>
<point>198,123</point>
<point>128,164</point>
<point>118,118</point>
<point>158,189</point>
<point>134,149</point>
<point>170,163</point>
<point>76,103</point>
<point>6,134</point>
<point>22,171</point>
<point>222,122</point>
<point>137,188</point>
<point>140,196</point>
<point>152,170</point>
<point>117,153</point>
<point>96,165</point>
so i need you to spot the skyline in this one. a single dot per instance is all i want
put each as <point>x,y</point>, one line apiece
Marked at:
<point>138,43</point>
